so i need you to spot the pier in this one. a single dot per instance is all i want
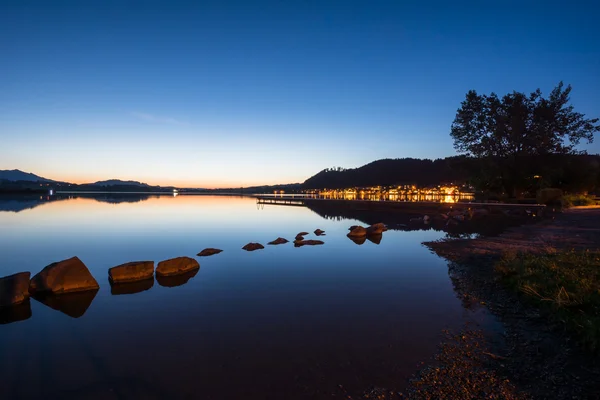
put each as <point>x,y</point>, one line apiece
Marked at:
<point>393,205</point>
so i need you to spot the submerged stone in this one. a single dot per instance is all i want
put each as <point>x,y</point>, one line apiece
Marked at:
<point>311,242</point>
<point>176,266</point>
<point>375,238</point>
<point>14,289</point>
<point>131,272</point>
<point>65,276</point>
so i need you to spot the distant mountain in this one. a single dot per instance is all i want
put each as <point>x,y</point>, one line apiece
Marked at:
<point>17,175</point>
<point>118,182</point>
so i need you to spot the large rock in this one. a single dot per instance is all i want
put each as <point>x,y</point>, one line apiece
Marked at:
<point>253,246</point>
<point>14,289</point>
<point>209,252</point>
<point>63,277</point>
<point>176,266</point>
<point>279,240</point>
<point>376,229</point>
<point>357,231</point>
<point>131,272</point>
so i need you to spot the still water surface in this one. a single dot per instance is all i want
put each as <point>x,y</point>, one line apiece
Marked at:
<point>278,323</point>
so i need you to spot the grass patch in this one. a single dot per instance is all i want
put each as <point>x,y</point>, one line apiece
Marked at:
<point>572,200</point>
<point>565,286</point>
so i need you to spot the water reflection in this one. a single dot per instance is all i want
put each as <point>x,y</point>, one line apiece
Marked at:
<point>375,238</point>
<point>15,313</point>
<point>358,239</point>
<point>176,280</point>
<point>74,305</point>
<point>131,287</point>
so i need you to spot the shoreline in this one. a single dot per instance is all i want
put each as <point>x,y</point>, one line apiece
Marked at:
<point>534,354</point>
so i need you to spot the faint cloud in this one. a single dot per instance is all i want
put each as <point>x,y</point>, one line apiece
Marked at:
<point>158,119</point>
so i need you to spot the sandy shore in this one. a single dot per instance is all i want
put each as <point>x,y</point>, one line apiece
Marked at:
<point>530,357</point>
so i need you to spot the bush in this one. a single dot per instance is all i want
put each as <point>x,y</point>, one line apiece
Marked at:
<point>572,200</point>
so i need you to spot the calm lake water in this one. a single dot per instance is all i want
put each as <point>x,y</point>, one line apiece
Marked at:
<point>278,323</point>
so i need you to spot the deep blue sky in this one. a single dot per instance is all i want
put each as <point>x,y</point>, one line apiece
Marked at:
<point>231,93</point>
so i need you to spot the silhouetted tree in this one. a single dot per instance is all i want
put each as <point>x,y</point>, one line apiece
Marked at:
<point>514,131</point>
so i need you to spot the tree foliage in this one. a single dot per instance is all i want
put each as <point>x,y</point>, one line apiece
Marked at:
<point>519,124</point>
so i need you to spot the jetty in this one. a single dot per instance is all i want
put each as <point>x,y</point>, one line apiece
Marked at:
<point>300,200</point>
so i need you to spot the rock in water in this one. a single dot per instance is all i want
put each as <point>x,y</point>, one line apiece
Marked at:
<point>131,272</point>
<point>300,243</point>
<point>209,252</point>
<point>357,231</point>
<point>176,266</point>
<point>299,237</point>
<point>253,246</point>
<point>302,234</point>
<point>376,229</point>
<point>279,240</point>
<point>14,289</point>
<point>319,232</point>
<point>63,277</point>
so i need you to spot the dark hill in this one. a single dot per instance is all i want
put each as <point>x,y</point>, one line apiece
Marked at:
<point>389,172</point>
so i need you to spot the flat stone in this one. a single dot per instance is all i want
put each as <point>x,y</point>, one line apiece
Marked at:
<point>131,272</point>
<point>279,240</point>
<point>14,289</point>
<point>209,252</point>
<point>176,266</point>
<point>253,246</point>
<point>65,276</point>
<point>302,234</point>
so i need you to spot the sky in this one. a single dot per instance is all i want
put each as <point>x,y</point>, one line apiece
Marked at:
<point>243,93</point>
